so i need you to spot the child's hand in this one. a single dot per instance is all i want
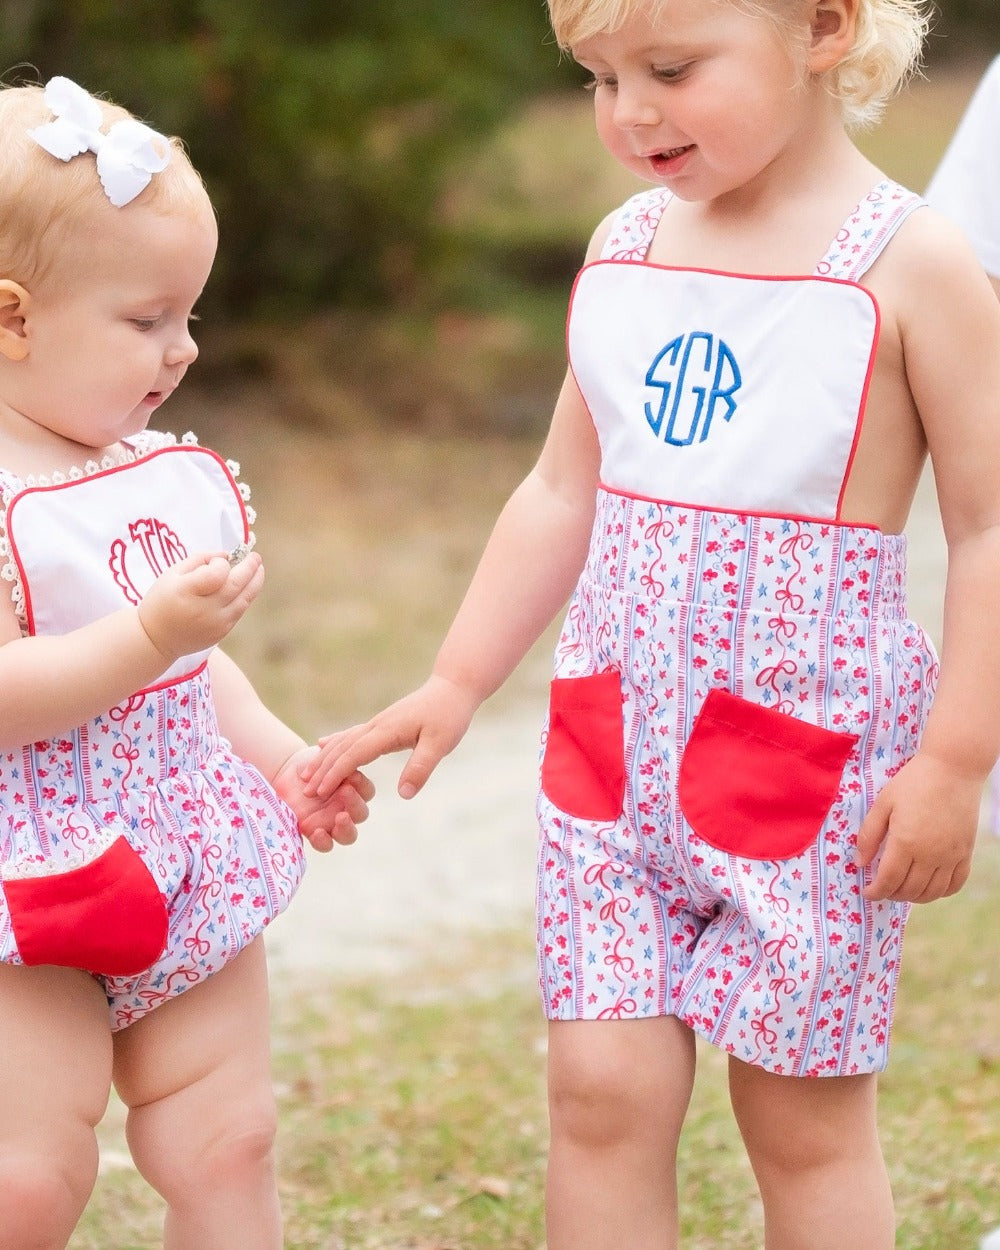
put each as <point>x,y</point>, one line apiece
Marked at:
<point>431,720</point>
<point>925,821</point>
<point>196,602</point>
<point>328,820</point>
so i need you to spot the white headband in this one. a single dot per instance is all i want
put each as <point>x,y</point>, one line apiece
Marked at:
<point>127,156</point>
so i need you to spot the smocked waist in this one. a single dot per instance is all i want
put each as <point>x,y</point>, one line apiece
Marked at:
<point>733,561</point>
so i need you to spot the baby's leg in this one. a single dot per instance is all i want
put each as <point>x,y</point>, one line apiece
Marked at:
<point>55,1076</point>
<point>814,1146</point>
<point>618,1093</point>
<point>195,1075</point>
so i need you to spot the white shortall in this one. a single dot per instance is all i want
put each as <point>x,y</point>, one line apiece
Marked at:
<point>137,846</point>
<point>736,678</point>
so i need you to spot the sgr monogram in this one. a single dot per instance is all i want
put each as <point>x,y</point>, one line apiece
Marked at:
<point>694,374</point>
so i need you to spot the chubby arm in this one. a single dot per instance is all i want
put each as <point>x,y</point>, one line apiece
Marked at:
<point>926,818</point>
<point>49,685</point>
<point>278,753</point>
<point>526,573</point>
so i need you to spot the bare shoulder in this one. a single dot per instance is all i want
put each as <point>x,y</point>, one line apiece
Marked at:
<point>932,257</point>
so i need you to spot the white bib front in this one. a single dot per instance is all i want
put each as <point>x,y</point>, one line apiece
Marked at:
<point>89,546</point>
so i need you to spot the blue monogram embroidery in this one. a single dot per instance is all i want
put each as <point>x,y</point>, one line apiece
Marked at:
<point>690,390</point>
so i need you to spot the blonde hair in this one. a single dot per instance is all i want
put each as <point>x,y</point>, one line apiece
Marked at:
<point>43,200</point>
<point>887,47</point>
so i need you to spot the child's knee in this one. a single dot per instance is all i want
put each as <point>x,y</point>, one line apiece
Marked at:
<point>598,1109</point>
<point>219,1149</point>
<point>618,1082</point>
<point>45,1188</point>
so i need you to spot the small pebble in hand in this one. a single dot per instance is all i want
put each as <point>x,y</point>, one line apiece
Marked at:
<point>238,553</point>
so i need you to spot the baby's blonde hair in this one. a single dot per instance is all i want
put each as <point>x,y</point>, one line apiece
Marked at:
<point>887,47</point>
<point>43,199</point>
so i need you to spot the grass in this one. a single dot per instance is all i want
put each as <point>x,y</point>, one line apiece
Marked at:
<point>413,1112</point>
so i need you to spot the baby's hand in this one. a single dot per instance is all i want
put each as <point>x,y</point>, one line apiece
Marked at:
<point>324,821</point>
<point>431,720</point>
<point>196,602</point>
<point>925,822</point>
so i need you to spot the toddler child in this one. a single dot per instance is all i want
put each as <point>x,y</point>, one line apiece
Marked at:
<point>150,805</point>
<point>743,785</point>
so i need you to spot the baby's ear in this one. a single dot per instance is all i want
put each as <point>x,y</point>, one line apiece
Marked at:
<point>14,303</point>
<point>834,30</point>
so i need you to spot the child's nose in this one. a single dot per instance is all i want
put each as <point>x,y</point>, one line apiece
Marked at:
<point>633,108</point>
<point>184,351</point>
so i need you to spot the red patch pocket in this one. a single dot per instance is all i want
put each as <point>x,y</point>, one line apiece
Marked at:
<point>106,916</point>
<point>758,783</point>
<point>583,769</point>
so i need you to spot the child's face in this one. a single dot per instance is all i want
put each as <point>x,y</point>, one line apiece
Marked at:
<point>108,326</point>
<point>702,99</point>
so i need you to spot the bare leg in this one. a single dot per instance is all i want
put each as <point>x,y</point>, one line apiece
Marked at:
<point>814,1147</point>
<point>55,1076</point>
<point>618,1093</point>
<point>195,1075</point>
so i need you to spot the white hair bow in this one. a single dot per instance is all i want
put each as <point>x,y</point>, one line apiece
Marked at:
<point>127,156</point>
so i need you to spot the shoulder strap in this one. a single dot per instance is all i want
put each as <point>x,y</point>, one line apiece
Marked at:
<point>863,236</point>
<point>634,225</point>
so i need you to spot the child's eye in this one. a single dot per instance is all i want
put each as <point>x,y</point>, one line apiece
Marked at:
<point>671,73</point>
<point>144,323</point>
<point>600,80</point>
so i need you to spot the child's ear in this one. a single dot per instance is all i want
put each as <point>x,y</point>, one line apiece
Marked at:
<point>834,27</point>
<point>14,303</point>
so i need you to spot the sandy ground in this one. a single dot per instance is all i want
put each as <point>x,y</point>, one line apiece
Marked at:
<point>461,854</point>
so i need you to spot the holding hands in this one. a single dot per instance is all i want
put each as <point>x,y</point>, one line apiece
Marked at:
<point>431,720</point>
<point>328,820</point>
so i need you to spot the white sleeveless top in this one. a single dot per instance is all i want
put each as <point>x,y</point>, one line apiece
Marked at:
<point>739,392</point>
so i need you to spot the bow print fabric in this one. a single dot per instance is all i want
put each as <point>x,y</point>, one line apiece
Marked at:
<point>127,156</point>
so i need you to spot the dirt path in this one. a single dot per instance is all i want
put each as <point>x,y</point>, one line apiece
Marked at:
<point>458,856</point>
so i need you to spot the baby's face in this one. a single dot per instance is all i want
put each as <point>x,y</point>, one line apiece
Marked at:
<point>108,325</point>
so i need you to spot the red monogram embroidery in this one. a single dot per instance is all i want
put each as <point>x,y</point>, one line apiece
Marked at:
<point>156,542</point>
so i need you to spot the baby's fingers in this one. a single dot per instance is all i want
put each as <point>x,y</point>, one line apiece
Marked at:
<point>245,581</point>
<point>362,784</point>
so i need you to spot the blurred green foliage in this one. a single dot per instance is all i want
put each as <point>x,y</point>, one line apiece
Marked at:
<point>327,130</point>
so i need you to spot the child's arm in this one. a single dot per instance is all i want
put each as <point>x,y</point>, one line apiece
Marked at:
<point>926,817</point>
<point>49,685</point>
<point>526,573</point>
<point>278,753</point>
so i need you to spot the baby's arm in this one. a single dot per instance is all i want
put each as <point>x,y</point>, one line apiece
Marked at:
<point>926,817</point>
<point>526,573</point>
<point>278,753</point>
<point>50,684</point>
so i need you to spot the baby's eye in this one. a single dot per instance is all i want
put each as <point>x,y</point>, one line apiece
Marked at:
<point>601,80</point>
<point>144,323</point>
